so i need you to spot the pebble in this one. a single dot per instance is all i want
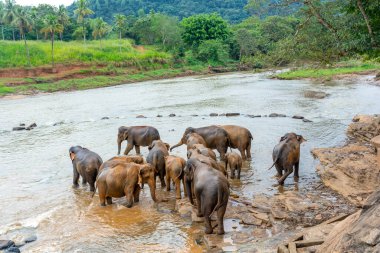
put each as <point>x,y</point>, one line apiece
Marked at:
<point>30,239</point>
<point>6,244</point>
<point>213,114</point>
<point>13,249</point>
<point>171,115</point>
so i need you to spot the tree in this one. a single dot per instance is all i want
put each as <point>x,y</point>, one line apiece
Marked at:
<point>212,51</point>
<point>51,27</point>
<point>166,29</point>
<point>99,29</point>
<point>1,19</point>
<point>203,27</point>
<point>23,21</point>
<point>82,12</point>
<point>120,25</point>
<point>10,14</point>
<point>246,42</point>
<point>63,18</point>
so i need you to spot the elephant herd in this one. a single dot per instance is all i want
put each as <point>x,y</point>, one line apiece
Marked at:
<point>202,176</point>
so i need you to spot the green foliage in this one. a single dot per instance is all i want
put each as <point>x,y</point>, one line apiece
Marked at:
<point>204,27</point>
<point>213,52</point>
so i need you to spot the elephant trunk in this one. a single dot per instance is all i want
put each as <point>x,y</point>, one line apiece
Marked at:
<point>176,145</point>
<point>188,189</point>
<point>119,140</point>
<point>152,187</point>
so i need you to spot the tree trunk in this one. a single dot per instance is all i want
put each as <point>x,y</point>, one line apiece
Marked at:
<point>60,35</point>
<point>120,41</point>
<point>52,50</point>
<point>36,34</point>
<point>2,31</point>
<point>13,32</point>
<point>27,51</point>
<point>370,32</point>
<point>100,38</point>
<point>84,33</point>
<point>320,19</point>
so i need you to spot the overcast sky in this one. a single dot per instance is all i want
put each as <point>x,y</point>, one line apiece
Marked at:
<point>37,2</point>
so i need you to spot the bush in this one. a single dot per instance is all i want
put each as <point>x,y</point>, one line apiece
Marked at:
<point>213,51</point>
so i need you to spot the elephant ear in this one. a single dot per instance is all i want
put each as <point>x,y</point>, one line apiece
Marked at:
<point>72,156</point>
<point>167,145</point>
<point>300,139</point>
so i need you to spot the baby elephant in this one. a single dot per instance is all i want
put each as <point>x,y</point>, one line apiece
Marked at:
<point>211,190</point>
<point>121,159</point>
<point>174,171</point>
<point>235,162</point>
<point>286,155</point>
<point>125,179</point>
<point>85,164</point>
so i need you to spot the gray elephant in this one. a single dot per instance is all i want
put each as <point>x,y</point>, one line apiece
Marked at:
<point>85,164</point>
<point>286,155</point>
<point>211,189</point>
<point>214,136</point>
<point>136,136</point>
<point>158,150</point>
<point>240,138</point>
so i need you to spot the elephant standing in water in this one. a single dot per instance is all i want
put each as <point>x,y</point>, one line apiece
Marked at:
<point>286,155</point>
<point>214,136</point>
<point>136,136</point>
<point>211,189</point>
<point>158,150</point>
<point>85,164</point>
<point>174,171</point>
<point>235,162</point>
<point>240,138</point>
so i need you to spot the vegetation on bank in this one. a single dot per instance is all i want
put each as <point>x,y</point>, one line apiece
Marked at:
<point>327,73</point>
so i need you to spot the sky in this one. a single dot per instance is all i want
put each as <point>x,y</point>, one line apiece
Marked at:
<point>37,2</point>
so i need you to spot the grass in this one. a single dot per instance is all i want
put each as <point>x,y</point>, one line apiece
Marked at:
<point>12,54</point>
<point>327,72</point>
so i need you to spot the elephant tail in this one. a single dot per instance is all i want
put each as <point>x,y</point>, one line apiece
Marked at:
<point>275,161</point>
<point>219,203</point>
<point>250,135</point>
<point>93,194</point>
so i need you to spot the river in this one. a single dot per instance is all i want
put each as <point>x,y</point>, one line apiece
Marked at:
<point>36,172</point>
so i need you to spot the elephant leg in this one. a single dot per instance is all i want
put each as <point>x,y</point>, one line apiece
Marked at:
<point>109,200</point>
<point>279,170</point>
<point>128,191</point>
<point>222,151</point>
<point>162,176</point>
<point>248,150</point>
<point>207,212</point>
<point>84,181</point>
<point>167,182</point>
<point>91,181</point>
<point>178,188</point>
<point>238,168</point>
<point>199,205</point>
<point>137,148</point>
<point>242,152</point>
<point>232,168</point>
<point>296,167</point>
<point>136,194</point>
<point>288,171</point>
<point>75,177</point>
<point>184,187</point>
<point>102,194</point>
<point>128,148</point>
<point>220,214</point>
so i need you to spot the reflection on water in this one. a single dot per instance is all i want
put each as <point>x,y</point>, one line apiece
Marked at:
<point>36,173</point>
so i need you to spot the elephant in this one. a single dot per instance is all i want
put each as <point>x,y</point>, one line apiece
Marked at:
<point>196,153</point>
<point>214,136</point>
<point>85,164</point>
<point>205,151</point>
<point>125,179</point>
<point>136,136</point>
<point>194,138</point>
<point>174,171</point>
<point>156,157</point>
<point>240,138</point>
<point>121,159</point>
<point>211,191</point>
<point>235,162</point>
<point>286,155</point>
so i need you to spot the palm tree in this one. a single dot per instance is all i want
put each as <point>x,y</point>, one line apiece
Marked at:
<point>50,27</point>
<point>23,21</point>
<point>35,16</point>
<point>99,29</point>
<point>63,18</point>
<point>120,24</point>
<point>1,18</point>
<point>9,14</point>
<point>81,12</point>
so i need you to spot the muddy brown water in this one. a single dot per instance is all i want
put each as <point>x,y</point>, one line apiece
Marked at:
<point>36,172</point>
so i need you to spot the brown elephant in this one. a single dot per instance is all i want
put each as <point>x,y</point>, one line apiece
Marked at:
<point>156,157</point>
<point>205,151</point>
<point>211,191</point>
<point>214,136</point>
<point>125,179</point>
<point>194,138</point>
<point>240,138</point>
<point>85,164</point>
<point>195,153</point>
<point>174,171</point>
<point>136,136</point>
<point>286,155</point>
<point>235,162</point>
<point>121,159</point>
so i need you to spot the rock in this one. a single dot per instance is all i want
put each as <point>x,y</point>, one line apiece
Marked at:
<point>315,94</point>
<point>171,115</point>
<point>375,141</point>
<point>30,239</point>
<point>306,120</point>
<point>22,124</point>
<point>318,217</point>
<point>222,114</point>
<point>273,115</point>
<point>140,117</point>
<point>194,115</point>
<point>232,114</point>
<point>6,244</point>
<point>184,207</point>
<point>32,125</point>
<point>195,218</point>
<point>360,232</point>
<point>159,116</point>
<point>105,118</point>
<point>278,213</point>
<point>59,123</point>
<point>253,116</point>
<point>298,117</point>
<point>213,114</point>
<point>18,128</point>
<point>13,249</point>
<point>364,128</point>
<point>249,219</point>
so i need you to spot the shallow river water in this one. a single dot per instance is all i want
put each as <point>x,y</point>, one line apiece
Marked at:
<point>36,172</point>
